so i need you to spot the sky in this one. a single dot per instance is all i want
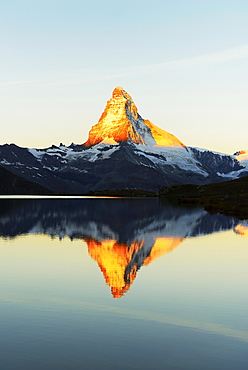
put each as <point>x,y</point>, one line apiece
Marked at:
<point>184,62</point>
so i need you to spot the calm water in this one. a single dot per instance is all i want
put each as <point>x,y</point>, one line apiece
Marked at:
<point>121,284</point>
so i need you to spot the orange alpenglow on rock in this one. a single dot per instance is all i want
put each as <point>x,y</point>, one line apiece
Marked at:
<point>163,246</point>
<point>113,259</point>
<point>241,230</point>
<point>120,122</point>
<point>117,261</point>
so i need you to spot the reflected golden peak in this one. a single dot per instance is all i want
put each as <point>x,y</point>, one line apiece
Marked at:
<point>119,262</point>
<point>114,259</point>
<point>162,246</point>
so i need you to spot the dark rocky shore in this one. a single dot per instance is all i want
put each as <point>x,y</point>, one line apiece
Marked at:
<point>229,197</point>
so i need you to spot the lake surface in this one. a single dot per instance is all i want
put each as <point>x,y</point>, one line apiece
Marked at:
<point>121,284</point>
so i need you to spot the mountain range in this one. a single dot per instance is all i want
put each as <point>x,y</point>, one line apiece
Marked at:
<point>123,151</point>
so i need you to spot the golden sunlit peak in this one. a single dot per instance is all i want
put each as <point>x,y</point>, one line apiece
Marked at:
<point>121,122</point>
<point>119,92</point>
<point>119,262</point>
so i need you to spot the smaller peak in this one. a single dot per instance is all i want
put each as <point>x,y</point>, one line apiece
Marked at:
<point>241,152</point>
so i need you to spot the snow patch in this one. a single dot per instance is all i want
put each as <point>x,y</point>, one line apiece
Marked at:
<point>173,156</point>
<point>37,153</point>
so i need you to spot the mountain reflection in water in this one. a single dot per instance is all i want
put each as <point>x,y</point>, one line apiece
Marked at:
<point>122,234</point>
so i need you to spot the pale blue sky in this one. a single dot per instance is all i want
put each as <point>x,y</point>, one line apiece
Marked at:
<point>184,63</point>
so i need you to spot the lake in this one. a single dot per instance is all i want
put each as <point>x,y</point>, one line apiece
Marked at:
<point>114,283</point>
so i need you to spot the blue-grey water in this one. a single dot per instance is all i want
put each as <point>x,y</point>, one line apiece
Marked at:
<point>121,284</point>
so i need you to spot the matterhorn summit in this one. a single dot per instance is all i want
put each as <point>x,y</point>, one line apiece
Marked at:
<point>121,121</point>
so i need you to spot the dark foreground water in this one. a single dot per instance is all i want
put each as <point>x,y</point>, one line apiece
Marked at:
<point>121,284</point>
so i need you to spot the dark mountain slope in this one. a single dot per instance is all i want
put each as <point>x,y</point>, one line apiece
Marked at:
<point>11,184</point>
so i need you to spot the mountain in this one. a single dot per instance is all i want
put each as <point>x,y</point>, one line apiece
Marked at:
<point>11,184</point>
<point>121,235</point>
<point>120,122</point>
<point>123,150</point>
